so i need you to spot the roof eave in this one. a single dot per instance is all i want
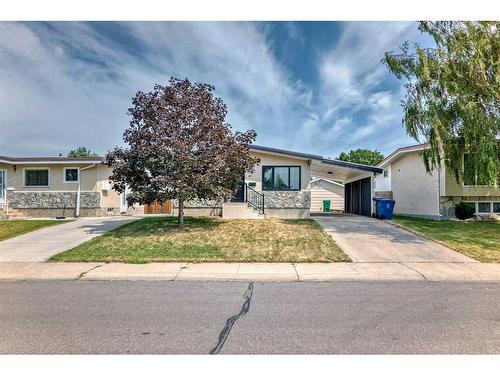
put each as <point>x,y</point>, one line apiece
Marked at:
<point>402,150</point>
<point>361,167</point>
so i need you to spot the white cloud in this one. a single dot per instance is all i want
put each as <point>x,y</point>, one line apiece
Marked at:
<point>64,85</point>
<point>354,86</point>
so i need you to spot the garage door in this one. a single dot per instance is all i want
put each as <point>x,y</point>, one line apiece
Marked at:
<point>358,197</point>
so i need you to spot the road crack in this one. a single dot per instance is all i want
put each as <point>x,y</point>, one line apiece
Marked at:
<point>86,272</point>
<point>224,334</point>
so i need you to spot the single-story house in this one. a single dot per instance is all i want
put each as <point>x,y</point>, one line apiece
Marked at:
<point>279,186</point>
<point>432,195</point>
<point>323,189</point>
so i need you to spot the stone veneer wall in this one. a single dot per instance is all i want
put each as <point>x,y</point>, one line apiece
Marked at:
<point>287,199</point>
<point>273,199</point>
<point>51,199</point>
<point>199,203</point>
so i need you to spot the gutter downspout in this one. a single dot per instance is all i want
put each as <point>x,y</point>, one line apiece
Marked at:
<point>77,211</point>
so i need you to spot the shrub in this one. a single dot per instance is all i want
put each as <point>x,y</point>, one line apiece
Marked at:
<point>464,210</point>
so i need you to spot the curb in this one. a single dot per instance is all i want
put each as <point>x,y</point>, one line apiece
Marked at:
<point>259,272</point>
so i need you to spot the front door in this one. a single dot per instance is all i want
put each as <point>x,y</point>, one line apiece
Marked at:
<point>3,185</point>
<point>239,196</point>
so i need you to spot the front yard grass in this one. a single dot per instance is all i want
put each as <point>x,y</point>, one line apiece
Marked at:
<point>208,239</point>
<point>13,228</point>
<point>478,239</point>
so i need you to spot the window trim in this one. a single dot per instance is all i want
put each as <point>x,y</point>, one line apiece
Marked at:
<point>385,173</point>
<point>32,169</point>
<point>64,175</point>
<point>282,166</point>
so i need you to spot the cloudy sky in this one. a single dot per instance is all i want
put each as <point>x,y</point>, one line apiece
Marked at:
<point>316,87</point>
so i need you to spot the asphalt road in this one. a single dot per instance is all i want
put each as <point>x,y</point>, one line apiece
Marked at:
<point>236,317</point>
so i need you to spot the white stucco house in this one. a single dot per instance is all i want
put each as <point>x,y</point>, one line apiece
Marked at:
<point>433,195</point>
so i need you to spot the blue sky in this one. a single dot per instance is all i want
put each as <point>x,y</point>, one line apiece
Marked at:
<point>316,87</point>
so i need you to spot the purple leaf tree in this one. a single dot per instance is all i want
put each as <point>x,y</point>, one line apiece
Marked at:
<point>180,147</point>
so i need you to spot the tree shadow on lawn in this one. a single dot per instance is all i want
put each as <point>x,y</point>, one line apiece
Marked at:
<point>162,226</point>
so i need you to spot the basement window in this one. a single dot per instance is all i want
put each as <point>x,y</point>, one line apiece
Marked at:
<point>483,207</point>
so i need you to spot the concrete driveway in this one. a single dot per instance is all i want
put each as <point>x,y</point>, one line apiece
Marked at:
<point>371,240</point>
<point>40,245</point>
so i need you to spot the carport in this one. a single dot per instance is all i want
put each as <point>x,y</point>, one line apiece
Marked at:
<point>357,179</point>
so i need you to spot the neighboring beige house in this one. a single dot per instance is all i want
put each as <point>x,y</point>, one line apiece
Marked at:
<point>323,189</point>
<point>279,186</point>
<point>57,186</point>
<point>432,195</point>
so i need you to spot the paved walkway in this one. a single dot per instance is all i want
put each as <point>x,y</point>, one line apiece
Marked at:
<point>370,240</point>
<point>252,271</point>
<point>40,245</point>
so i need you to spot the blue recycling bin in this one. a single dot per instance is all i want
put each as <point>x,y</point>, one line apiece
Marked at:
<point>384,208</point>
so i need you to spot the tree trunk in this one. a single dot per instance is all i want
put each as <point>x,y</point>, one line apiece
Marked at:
<point>180,218</point>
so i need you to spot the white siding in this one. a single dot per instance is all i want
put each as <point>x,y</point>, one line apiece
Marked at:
<point>383,183</point>
<point>323,190</point>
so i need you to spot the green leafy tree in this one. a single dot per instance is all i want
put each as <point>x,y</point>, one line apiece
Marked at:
<point>82,152</point>
<point>362,156</point>
<point>453,95</point>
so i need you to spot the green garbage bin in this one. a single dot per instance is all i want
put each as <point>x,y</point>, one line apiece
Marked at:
<point>326,206</point>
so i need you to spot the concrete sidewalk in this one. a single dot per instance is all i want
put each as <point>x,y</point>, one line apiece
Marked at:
<point>41,244</point>
<point>252,271</point>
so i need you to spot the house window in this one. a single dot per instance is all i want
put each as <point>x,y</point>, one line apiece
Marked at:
<point>496,207</point>
<point>71,174</point>
<point>483,207</point>
<point>386,173</point>
<point>281,178</point>
<point>36,177</point>
<point>471,177</point>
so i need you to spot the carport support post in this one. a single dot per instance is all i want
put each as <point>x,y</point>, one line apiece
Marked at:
<point>372,195</point>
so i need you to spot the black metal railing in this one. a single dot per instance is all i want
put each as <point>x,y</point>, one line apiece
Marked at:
<point>254,199</point>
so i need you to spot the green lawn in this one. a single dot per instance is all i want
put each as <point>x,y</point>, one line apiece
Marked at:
<point>207,239</point>
<point>12,228</point>
<point>478,239</point>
